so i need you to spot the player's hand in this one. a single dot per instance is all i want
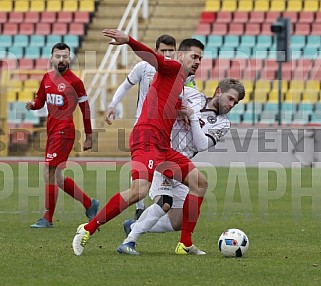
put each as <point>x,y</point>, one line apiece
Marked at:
<point>110,112</point>
<point>88,142</point>
<point>29,105</point>
<point>119,37</point>
<point>185,113</point>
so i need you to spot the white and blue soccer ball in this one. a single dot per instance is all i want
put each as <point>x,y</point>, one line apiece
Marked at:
<point>233,243</point>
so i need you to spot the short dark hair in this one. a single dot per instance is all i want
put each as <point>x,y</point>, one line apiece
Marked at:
<point>60,46</point>
<point>227,83</point>
<point>167,40</point>
<point>186,44</point>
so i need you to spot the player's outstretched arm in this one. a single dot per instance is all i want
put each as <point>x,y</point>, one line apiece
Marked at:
<point>119,37</point>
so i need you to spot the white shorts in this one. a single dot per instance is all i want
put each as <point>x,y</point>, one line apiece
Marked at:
<point>161,185</point>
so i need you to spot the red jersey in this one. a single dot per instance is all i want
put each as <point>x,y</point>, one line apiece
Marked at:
<point>62,93</point>
<point>163,98</point>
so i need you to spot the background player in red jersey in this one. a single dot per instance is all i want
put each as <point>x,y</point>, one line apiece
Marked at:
<point>150,142</point>
<point>62,90</point>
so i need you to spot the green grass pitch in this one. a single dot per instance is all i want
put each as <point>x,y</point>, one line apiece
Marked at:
<point>279,209</point>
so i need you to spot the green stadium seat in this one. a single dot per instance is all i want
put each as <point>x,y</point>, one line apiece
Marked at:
<point>234,118</point>
<point>313,41</point>
<point>71,40</point>
<point>214,41</point>
<point>32,52</point>
<point>201,38</point>
<point>20,41</point>
<point>231,41</point>
<point>248,41</point>
<point>243,53</point>
<point>53,39</point>
<point>310,53</point>
<point>297,42</point>
<point>210,52</point>
<point>37,40</point>
<point>15,52</point>
<point>5,41</point>
<point>263,41</point>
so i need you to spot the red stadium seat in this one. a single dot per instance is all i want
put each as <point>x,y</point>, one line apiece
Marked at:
<point>3,17</point>
<point>302,29</point>
<point>316,29</point>
<point>64,17</point>
<point>26,29</point>
<point>48,17</point>
<point>317,18</point>
<point>292,15</point>
<point>306,17</point>
<point>266,29</point>
<point>255,64</point>
<point>41,64</point>
<point>59,28</point>
<point>271,16</point>
<point>256,17</point>
<point>203,29</point>
<point>26,64</point>
<point>77,29</point>
<point>207,17</point>
<point>219,29</point>
<point>81,17</point>
<point>224,17</point>
<point>32,17</point>
<point>240,17</point>
<point>43,29</point>
<point>10,28</point>
<point>253,29</point>
<point>236,29</point>
<point>16,17</point>
<point>9,64</point>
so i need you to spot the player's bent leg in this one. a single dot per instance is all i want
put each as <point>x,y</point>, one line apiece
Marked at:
<point>196,182</point>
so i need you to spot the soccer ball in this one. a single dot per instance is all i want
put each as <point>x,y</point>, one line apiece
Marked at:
<point>233,243</point>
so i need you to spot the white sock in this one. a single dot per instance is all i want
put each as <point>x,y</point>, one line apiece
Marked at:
<point>146,221</point>
<point>140,204</point>
<point>163,225</point>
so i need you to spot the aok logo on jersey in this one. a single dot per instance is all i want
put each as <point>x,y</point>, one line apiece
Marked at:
<point>55,99</point>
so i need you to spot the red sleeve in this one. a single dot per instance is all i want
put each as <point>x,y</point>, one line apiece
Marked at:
<point>85,109</point>
<point>160,63</point>
<point>40,98</point>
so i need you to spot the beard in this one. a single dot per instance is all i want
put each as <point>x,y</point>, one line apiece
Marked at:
<point>61,68</point>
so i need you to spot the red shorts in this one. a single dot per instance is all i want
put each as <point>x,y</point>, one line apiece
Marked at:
<point>147,155</point>
<point>57,151</point>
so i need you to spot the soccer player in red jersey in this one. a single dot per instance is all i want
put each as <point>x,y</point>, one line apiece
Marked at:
<point>150,142</point>
<point>62,90</point>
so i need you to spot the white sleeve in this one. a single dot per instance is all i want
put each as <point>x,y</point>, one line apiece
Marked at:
<point>120,93</point>
<point>201,141</point>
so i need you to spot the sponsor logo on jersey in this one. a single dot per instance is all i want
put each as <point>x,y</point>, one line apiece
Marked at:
<point>61,87</point>
<point>55,99</point>
<point>50,157</point>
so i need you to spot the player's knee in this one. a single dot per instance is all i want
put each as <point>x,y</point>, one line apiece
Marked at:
<point>165,202</point>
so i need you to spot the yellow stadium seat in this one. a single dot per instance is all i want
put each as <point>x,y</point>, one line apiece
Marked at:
<point>311,5</point>
<point>229,5</point>
<point>274,95</point>
<point>54,6</point>
<point>260,96</point>
<point>296,85</point>
<point>261,5</point>
<point>278,5</point>
<point>295,5</point>
<point>21,5</point>
<point>70,5</point>
<point>14,84</point>
<point>210,86</point>
<point>11,96</point>
<point>311,96</point>
<point>199,84</point>
<point>31,84</point>
<point>293,96</point>
<point>284,85</point>
<point>6,6</point>
<point>87,5</point>
<point>212,5</point>
<point>37,5</point>
<point>25,95</point>
<point>312,85</point>
<point>245,5</point>
<point>263,85</point>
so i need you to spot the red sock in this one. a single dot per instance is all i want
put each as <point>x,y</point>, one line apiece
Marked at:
<point>51,196</point>
<point>74,191</point>
<point>191,212</point>
<point>112,209</point>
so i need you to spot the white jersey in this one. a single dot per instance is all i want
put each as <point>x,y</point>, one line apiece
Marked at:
<point>214,126</point>
<point>142,73</point>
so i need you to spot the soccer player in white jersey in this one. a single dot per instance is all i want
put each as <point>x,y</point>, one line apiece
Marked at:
<point>143,74</point>
<point>208,124</point>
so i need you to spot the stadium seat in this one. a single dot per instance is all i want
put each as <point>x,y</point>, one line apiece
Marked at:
<point>31,85</point>
<point>43,29</point>
<point>316,28</point>
<point>212,5</point>
<point>72,40</point>
<point>224,17</point>
<point>266,29</point>
<point>298,42</point>
<point>46,52</point>
<point>261,5</point>
<point>37,41</point>
<point>313,41</point>
<point>21,5</point>
<point>70,5</point>
<point>48,17</point>
<point>6,5</point>
<point>32,52</point>
<point>231,41</point>
<point>302,28</point>
<point>25,64</point>
<point>54,6</point>
<point>5,41</point>
<point>87,5</point>
<point>278,5</point>
<point>226,53</point>
<point>256,17</point>
<point>241,17</point>
<point>77,29</point>
<point>15,52</point>
<point>32,17</point>
<point>11,95</point>
<point>201,28</point>
<point>25,95</point>
<point>20,41</point>
<point>65,17</point>
<point>42,64</point>
<point>236,29</point>
<point>312,85</point>
<point>263,41</point>
<point>229,5</point>
<point>292,15</point>
<point>310,53</point>
<point>312,96</point>
<point>214,41</point>
<point>306,17</point>
<point>243,53</point>
<point>37,5</point>
<point>235,118</point>
<point>206,16</point>
<point>245,5</point>
<point>27,28</point>
<point>16,17</point>
<point>311,5</point>
<point>271,16</point>
<point>248,41</point>
<point>294,5</point>
<point>260,96</point>
<point>9,64</point>
<point>53,39</point>
<point>252,29</point>
<point>220,29</point>
<point>59,28</point>
<point>81,17</point>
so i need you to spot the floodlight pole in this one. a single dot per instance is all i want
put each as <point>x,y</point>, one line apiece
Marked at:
<point>279,92</point>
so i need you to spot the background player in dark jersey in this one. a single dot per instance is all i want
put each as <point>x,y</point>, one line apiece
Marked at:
<point>62,90</point>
